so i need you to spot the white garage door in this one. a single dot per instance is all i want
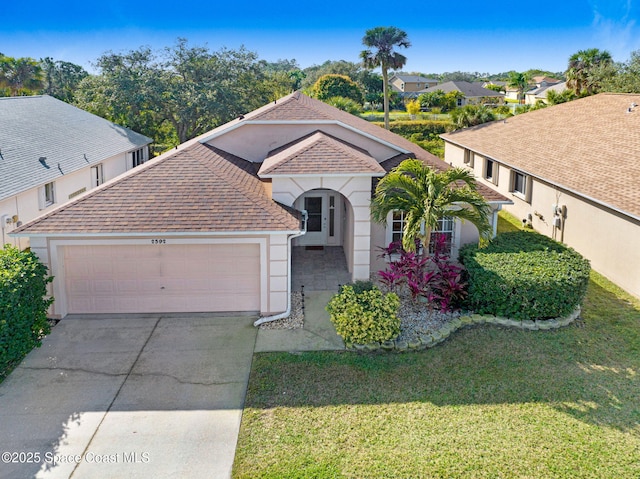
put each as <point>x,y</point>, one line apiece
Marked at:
<point>162,278</point>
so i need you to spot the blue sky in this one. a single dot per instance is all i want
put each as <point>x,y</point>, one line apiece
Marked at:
<point>483,36</point>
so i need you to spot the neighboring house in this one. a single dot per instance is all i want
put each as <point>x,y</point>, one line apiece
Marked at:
<point>537,85</point>
<point>210,225</point>
<point>474,93</point>
<point>540,94</point>
<point>51,152</point>
<point>542,80</point>
<point>573,173</point>
<point>411,83</point>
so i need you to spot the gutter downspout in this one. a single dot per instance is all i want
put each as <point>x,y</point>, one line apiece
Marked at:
<point>268,319</point>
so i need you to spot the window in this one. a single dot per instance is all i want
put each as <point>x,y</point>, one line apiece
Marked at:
<point>138,157</point>
<point>46,195</point>
<point>469,158</point>
<point>521,185</point>
<point>446,226</point>
<point>491,171</point>
<point>397,226</point>
<point>96,176</point>
<point>459,102</point>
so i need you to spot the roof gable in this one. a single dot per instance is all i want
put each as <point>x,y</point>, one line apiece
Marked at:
<point>319,154</point>
<point>67,138</point>
<point>589,146</point>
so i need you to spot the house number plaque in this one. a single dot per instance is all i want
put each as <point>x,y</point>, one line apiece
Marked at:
<point>158,241</point>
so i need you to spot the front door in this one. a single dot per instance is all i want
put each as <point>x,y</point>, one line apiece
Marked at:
<point>323,225</point>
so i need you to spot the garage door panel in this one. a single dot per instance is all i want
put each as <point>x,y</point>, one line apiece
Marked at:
<point>162,278</point>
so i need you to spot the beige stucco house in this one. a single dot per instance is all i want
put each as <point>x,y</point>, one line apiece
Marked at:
<point>210,225</point>
<point>51,152</point>
<point>573,173</point>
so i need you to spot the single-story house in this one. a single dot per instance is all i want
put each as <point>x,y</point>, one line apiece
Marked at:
<point>474,93</point>
<point>410,83</point>
<point>210,225</point>
<point>537,84</point>
<point>540,94</point>
<point>51,152</point>
<point>573,173</point>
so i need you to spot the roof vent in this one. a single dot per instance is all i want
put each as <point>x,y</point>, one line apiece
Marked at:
<point>43,161</point>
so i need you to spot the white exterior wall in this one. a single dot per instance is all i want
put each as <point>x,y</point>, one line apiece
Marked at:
<point>610,240</point>
<point>357,191</point>
<point>267,137</point>
<point>26,204</point>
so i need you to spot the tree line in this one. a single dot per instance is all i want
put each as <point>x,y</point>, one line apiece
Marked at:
<point>178,92</point>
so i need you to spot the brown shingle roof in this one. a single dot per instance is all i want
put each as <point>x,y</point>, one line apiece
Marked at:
<point>297,106</point>
<point>319,153</point>
<point>590,146</point>
<point>197,189</point>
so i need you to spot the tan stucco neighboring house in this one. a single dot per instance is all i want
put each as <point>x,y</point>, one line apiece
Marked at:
<point>540,94</point>
<point>210,225</point>
<point>51,152</point>
<point>573,173</point>
<point>411,83</point>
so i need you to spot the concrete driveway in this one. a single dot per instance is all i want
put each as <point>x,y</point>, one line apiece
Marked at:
<point>136,396</point>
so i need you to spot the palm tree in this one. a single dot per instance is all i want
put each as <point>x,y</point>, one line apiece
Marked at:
<point>20,75</point>
<point>520,82</point>
<point>582,65</point>
<point>425,196</point>
<point>471,115</point>
<point>383,39</point>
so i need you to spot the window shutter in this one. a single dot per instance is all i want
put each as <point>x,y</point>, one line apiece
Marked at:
<point>41,198</point>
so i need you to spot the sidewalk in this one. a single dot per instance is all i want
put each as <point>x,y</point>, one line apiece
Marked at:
<point>318,334</point>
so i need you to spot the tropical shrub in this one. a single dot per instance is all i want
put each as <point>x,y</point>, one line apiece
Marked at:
<point>23,303</point>
<point>432,277</point>
<point>344,104</point>
<point>365,317</point>
<point>525,275</point>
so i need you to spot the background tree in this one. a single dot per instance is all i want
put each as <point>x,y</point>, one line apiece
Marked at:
<point>520,82</point>
<point>555,98</point>
<point>61,79</point>
<point>191,89</point>
<point>383,40</point>
<point>471,115</point>
<point>432,99</point>
<point>581,69</point>
<point>450,100</point>
<point>425,196</point>
<point>496,88</point>
<point>20,76</point>
<point>330,67</point>
<point>345,104</point>
<point>329,86</point>
<point>626,78</point>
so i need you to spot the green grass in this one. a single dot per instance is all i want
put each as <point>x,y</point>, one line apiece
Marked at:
<point>487,403</point>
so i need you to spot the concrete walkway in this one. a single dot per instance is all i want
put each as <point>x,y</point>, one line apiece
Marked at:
<point>318,333</point>
<point>134,397</point>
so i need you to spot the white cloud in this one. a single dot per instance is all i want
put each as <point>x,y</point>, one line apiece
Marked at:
<point>615,27</point>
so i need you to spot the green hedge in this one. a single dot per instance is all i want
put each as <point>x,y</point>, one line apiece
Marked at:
<point>23,305</point>
<point>525,275</point>
<point>423,127</point>
<point>364,315</point>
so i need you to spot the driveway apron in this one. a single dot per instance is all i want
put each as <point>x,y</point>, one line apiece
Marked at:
<point>128,396</point>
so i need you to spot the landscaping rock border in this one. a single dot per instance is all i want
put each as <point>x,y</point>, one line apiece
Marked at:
<point>429,340</point>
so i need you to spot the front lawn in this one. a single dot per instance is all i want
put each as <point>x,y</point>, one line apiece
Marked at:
<point>487,403</point>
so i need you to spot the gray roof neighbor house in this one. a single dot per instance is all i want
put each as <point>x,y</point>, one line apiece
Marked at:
<point>42,139</point>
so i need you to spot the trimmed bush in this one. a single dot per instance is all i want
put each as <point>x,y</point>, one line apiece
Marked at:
<point>365,317</point>
<point>23,305</point>
<point>525,275</point>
